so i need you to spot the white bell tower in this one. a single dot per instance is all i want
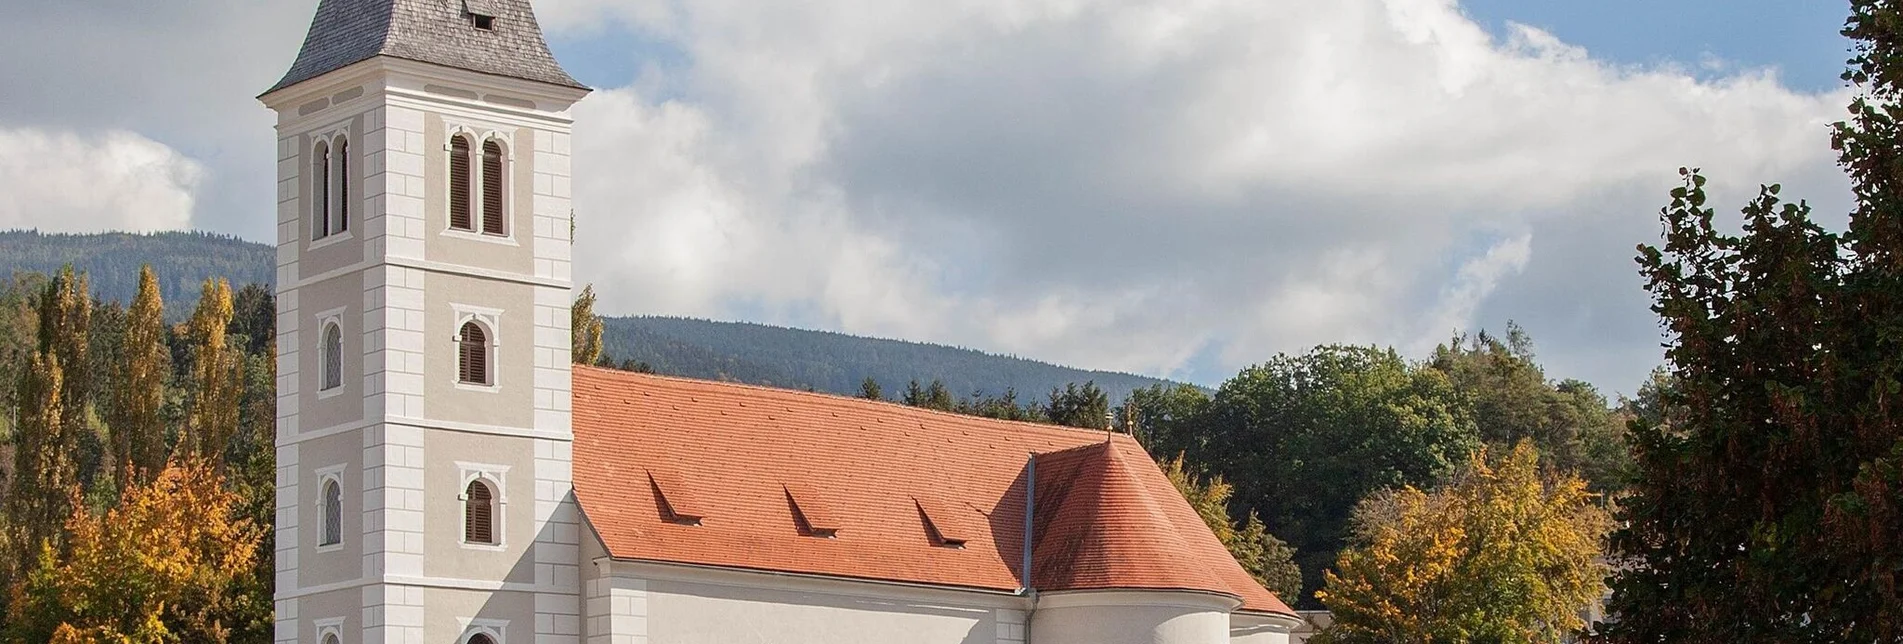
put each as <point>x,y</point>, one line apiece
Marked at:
<point>423,440</point>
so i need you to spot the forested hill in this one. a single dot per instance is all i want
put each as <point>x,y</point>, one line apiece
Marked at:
<point>183,260</point>
<point>750,353</point>
<point>835,362</point>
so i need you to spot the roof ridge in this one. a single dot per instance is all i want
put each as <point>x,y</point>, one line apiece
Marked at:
<point>893,404</point>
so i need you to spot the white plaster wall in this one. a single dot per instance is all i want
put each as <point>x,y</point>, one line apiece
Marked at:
<point>1134,617</point>
<point>1255,629</point>
<point>648,604</point>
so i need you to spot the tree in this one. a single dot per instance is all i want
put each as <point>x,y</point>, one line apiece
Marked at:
<point>170,563</point>
<point>138,393</point>
<point>938,397</point>
<point>1569,422</point>
<point>217,377</point>
<point>585,328</point>
<point>1168,418</point>
<point>1268,559</point>
<point>1303,438</point>
<point>869,390</point>
<point>1495,555</point>
<point>65,331</point>
<point>1075,406</point>
<point>45,477</point>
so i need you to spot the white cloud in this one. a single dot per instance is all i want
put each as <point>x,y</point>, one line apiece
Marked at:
<point>64,182</point>
<point>1132,183</point>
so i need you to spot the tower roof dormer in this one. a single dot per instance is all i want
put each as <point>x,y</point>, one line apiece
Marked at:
<point>498,37</point>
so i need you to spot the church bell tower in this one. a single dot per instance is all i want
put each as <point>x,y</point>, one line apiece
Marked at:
<point>423,437</point>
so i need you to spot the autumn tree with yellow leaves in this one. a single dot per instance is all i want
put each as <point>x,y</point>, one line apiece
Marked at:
<point>1499,553</point>
<point>217,376</point>
<point>170,563</point>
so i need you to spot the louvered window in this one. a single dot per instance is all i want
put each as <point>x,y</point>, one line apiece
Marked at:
<point>343,186</point>
<point>473,354</point>
<point>479,514</point>
<point>320,191</point>
<point>492,188</point>
<point>333,513</point>
<point>460,185</point>
<point>333,357</point>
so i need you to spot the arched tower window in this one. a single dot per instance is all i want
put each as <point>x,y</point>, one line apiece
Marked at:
<point>333,368</point>
<point>341,222</point>
<point>460,185</point>
<point>493,184</point>
<point>472,352</point>
<point>331,638</point>
<point>481,638</point>
<point>479,514</point>
<point>320,190</point>
<point>333,513</point>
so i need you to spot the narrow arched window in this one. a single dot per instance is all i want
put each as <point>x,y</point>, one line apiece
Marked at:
<point>473,354</point>
<point>493,183</point>
<point>333,357</point>
<point>320,191</point>
<point>459,184</point>
<point>480,638</point>
<point>479,514</point>
<point>342,221</point>
<point>331,638</point>
<point>333,513</point>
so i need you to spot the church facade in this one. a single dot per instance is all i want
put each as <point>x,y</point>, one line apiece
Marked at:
<point>446,475</point>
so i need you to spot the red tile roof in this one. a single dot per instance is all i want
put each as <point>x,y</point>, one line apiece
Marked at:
<point>747,459</point>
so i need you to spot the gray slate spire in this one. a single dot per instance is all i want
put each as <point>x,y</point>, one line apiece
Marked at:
<point>441,32</point>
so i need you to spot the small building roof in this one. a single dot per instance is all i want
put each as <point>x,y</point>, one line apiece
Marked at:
<point>1106,517</point>
<point>441,32</point>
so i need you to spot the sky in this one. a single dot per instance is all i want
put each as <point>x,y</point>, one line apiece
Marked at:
<point>1178,188</point>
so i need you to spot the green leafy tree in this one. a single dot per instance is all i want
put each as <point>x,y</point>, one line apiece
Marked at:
<point>1569,422</point>
<point>1079,406</point>
<point>134,417</point>
<point>1168,418</point>
<point>1498,554</point>
<point>1268,559</point>
<point>585,328</point>
<point>1303,438</point>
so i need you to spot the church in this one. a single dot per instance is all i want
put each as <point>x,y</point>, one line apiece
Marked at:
<point>446,476</point>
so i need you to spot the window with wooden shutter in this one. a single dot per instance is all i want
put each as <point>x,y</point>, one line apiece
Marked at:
<point>343,185</point>
<point>333,513</point>
<point>479,514</point>
<point>459,184</point>
<point>333,357</point>
<point>473,352</point>
<point>320,191</point>
<point>492,188</point>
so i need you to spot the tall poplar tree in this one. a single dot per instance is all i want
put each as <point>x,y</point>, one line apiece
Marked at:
<point>217,376</point>
<point>45,475</point>
<point>138,397</point>
<point>585,328</point>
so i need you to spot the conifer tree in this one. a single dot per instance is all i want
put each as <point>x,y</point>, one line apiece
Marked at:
<point>585,328</point>
<point>138,396</point>
<point>869,389</point>
<point>217,376</point>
